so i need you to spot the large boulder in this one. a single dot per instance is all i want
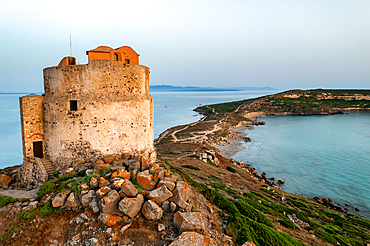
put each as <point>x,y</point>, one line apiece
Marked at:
<point>72,201</point>
<point>131,206</point>
<point>152,211</point>
<point>160,195</point>
<point>109,203</point>
<point>181,195</point>
<point>191,221</point>
<point>4,180</point>
<point>192,239</point>
<point>146,180</point>
<point>128,188</point>
<point>60,199</point>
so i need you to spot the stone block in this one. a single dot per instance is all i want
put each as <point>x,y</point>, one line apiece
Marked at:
<point>128,188</point>
<point>160,194</point>
<point>131,206</point>
<point>146,180</point>
<point>190,221</point>
<point>152,211</point>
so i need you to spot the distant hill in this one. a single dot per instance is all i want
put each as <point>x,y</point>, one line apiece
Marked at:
<point>195,88</point>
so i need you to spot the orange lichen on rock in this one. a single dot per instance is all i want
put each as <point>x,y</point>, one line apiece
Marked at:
<point>5,180</point>
<point>146,180</point>
<point>99,167</point>
<point>121,173</point>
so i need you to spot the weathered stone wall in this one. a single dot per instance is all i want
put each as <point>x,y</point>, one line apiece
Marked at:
<point>32,125</point>
<point>32,172</point>
<point>114,111</point>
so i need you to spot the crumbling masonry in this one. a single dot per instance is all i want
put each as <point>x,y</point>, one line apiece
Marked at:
<point>91,111</point>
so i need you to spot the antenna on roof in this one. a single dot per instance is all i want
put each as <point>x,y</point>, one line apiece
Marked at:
<point>70,44</point>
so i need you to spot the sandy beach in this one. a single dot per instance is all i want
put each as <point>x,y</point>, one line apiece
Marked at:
<point>235,145</point>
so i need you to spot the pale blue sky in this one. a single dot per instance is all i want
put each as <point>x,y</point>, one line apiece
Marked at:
<point>283,44</point>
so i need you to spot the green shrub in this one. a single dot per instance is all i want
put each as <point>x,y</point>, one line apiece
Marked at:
<point>88,178</point>
<point>56,173</point>
<point>221,201</point>
<point>25,200</point>
<point>287,224</point>
<point>48,209</point>
<point>243,229</point>
<point>63,185</point>
<point>230,169</point>
<point>191,167</point>
<point>66,177</point>
<point>218,185</point>
<point>82,172</point>
<point>251,213</point>
<point>5,200</point>
<point>105,171</point>
<point>214,177</point>
<point>46,188</point>
<point>27,216</point>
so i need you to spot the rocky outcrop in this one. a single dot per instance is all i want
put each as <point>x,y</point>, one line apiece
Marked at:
<point>5,180</point>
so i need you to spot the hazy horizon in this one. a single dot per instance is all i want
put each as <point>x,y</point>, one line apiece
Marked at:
<point>280,44</point>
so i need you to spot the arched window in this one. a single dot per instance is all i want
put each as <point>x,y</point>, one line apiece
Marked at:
<point>116,57</point>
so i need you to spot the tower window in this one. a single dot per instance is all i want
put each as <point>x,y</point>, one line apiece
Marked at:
<point>73,105</point>
<point>127,61</point>
<point>115,57</point>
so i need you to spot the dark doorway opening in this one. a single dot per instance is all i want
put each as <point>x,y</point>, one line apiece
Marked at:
<point>127,61</point>
<point>37,149</point>
<point>73,105</point>
<point>115,57</point>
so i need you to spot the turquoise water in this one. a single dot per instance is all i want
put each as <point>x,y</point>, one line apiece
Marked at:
<point>325,156</point>
<point>170,109</point>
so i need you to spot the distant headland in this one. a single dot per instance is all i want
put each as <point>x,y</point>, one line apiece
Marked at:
<point>196,88</point>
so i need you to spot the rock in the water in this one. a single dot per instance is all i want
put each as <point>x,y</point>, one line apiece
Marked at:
<point>72,201</point>
<point>131,206</point>
<point>60,199</point>
<point>128,188</point>
<point>192,239</point>
<point>87,198</point>
<point>109,203</point>
<point>152,211</point>
<point>191,221</point>
<point>4,180</point>
<point>160,195</point>
<point>181,195</point>
<point>146,180</point>
<point>327,201</point>
<point>108,219</point>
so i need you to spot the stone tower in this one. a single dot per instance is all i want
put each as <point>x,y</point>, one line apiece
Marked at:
<point>94,110</point>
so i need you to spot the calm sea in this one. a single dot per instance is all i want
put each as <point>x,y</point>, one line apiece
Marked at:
<point>170,109</point>
<point>325,156</point>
